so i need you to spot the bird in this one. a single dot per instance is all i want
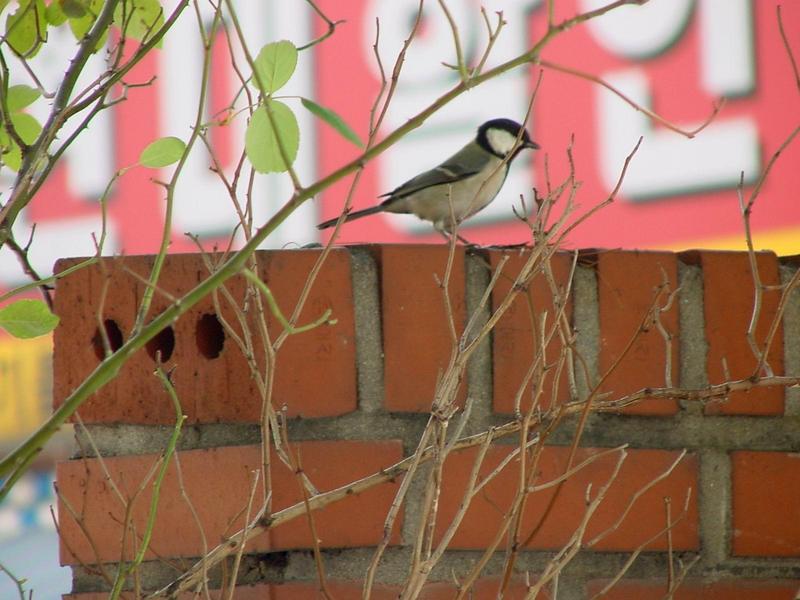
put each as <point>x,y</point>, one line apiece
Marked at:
<point>469,180</point>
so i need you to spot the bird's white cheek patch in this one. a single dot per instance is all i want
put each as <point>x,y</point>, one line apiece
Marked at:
<point>501,140</point>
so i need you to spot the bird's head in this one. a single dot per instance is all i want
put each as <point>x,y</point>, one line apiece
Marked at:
<point>499,136</point>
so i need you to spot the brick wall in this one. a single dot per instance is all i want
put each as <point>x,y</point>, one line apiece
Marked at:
<point>357,394</point>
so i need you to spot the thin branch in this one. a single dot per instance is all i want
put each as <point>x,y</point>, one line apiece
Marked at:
<point>460,64</point>
<point>689,133</point>
<point>331,27</point>
<point>19,582</point>
<point>640,548</point>
<point>30,271</point>
<point>788,47</point>
<point>323,319</point>
<point>156,493</point>
<point>237,561</point>
<point>493,35</point>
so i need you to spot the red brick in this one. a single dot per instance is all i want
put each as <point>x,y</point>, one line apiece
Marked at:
<point>626,286</point>
<point>416,338</point>
<point>738,589</point>
<point>341,590</point>
<point>210,389</point>
<point>132,396</point>
<point>221,499</point>
<point>315,374</point>
<point>645,519</point>
<point>484,589</point>
<point>728,305</point>
<point>514,339</point>
<point>766,510</point>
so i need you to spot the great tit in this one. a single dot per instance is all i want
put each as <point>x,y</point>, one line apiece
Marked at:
<point>469,180</point>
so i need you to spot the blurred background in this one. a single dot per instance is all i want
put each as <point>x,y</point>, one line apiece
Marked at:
<point>677,57</point>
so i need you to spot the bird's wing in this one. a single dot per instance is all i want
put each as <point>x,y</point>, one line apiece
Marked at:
<point>461,165</point>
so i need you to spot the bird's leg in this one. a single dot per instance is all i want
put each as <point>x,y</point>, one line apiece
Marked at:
<point>448,233</point>
<point>465,241</point>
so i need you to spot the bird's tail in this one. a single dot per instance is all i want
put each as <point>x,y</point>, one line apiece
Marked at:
<point>351,216</point>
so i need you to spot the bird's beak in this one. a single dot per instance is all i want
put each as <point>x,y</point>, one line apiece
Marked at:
<point>532,145</point>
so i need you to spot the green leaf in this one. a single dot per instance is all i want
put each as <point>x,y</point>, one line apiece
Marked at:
<point>74,9</point>
<point>10,153</point>
<point>275,64</point>
<point>334,120</point>
<point>164,151</point>
<point>20,96</point>
<point>141,18</point>
<point>27,127</point>
<point>261,144</point>
<point>55,14</point>
<point>26,29</point>
<point>27,319</point>
<point>81,25</point>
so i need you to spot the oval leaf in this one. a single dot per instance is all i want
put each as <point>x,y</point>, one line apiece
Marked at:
<point>20,96</point>
<point>275,64</point>
<point>164,151</point>
<point>334,120</point>
<point>261,144</point>
<point>141,18</point>
<point>28,128</point>
<point>54,15</point>
<point>27,319</point>
<point>26,29</point>
<point>81,25</point>
<point>10,153</point>
<point>74,9</point>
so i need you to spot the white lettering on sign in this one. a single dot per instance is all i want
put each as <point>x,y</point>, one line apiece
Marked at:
<point>727,65</point>
<point>669,164</point>
<point>638,32</point>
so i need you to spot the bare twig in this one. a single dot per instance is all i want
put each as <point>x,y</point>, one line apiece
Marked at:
<point>788,47</point>
<point>28,268</point>
<point>237,561</point>
<point>689,133</point>
<point>460,64</point>
<point>156,493</point>
<point>330,31</point>
<point>19,583</point>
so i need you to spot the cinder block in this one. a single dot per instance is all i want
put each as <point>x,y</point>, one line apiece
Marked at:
<point>218,484</point>
<point>627,282</point>
<point>766,511</point>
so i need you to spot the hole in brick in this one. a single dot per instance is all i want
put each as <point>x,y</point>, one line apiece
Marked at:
<point>164,342</point>
<point>210,336</point>
<point>114,335</point>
